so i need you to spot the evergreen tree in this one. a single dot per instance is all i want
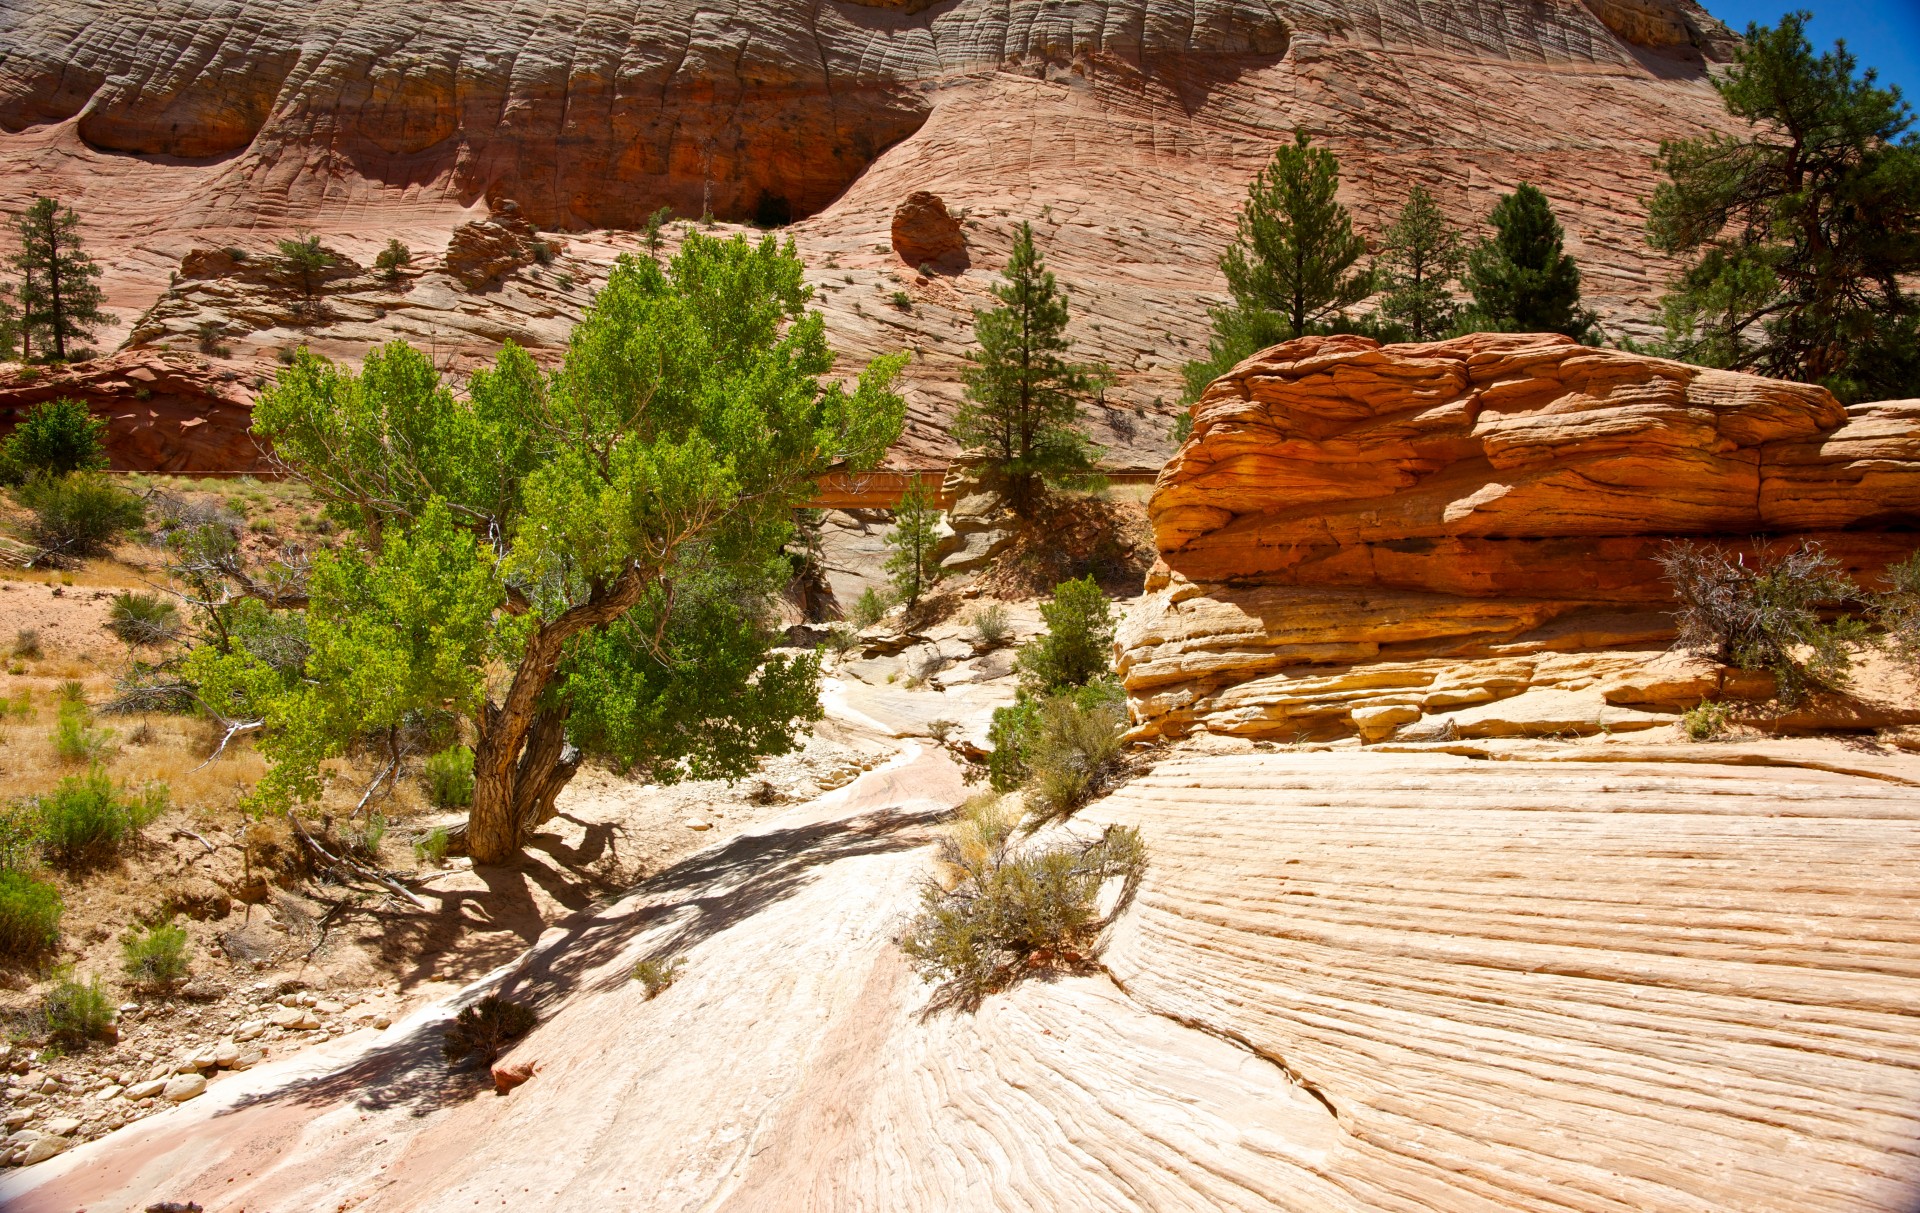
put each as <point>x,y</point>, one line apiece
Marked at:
<point>1290,268</point>
<point>304,259</point>
<point>1022,394</point>
<point>1522,278</point>
<point>59,295</point>
<point>912,566</point>
<point>10,327</point>
<point>1417,268</point>
<point>1801,230</point>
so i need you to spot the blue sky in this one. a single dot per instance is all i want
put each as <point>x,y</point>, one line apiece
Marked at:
<point>1883,34</point>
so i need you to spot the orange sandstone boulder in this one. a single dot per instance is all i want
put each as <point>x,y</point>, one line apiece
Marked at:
<point>924,232</point>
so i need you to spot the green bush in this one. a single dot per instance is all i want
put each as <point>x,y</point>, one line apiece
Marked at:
<point>73,1013</point>
<point>142,619</point>
<point>870,607</point>
<point>450,777</point>
<point>155,959</point>
<point>1765,614</point>
<point>1705,720</point>
<point>991,626</point>
<point>364,839</point>
<point>54,439</point>
<point>76,515</point>
<point>392,259</point>
<point>75,740</point>
<point>1073,755</point>
<point>1897,612</point>
<point>486,1029</point>
<point>1035,724</point>
<point>1013,912</point>
<point>86,819</point>
<point>656,975</point>
<point>1077,646</point>
<point>29,915</point>
<point>431,848</point>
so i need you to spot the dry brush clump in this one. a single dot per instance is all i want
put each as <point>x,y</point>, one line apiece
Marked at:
<point>1010,908</point>
<point>486,1029</point>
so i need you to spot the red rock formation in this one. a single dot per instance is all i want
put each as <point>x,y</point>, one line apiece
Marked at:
<point>486,250</point>
<point>164,413</point>
<point>1491,497</point>
<point>925,233</point>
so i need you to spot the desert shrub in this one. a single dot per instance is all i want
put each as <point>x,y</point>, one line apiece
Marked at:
<point>869,607</point>
<point>991,626</point>
<point>942,728</point>
<point>73,1013</point>
<point>431,847</point>
<point>75,740</point>
<point>392,259</point>
<point>542,252</point>
<point>76,515</point>
<point>486,1029</point>
<point>1078,643</point>
<point>1014,911</point>
<point>365,838</point>
<point>26,643</point>
<point>142,619</point>
<point>86,819</point>
<point>902,301</point>
<point>1897,612</point>
<point>1705,720</point>
<point>450,777</point>
<point>1073,755</point>
<point>54,439</point>
<point>155,959</point>
<point>29,914</point>
<point>1765,614</point>
<point>842,639</point>
<point>207,336</point>
<point>656,975</point>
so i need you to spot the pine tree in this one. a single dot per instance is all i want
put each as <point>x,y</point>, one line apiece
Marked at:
<point>59,297</point>
<point>1522,278</point>
<point>1801,231</point>
<point>1022,394</point>
<point>1417,268</point>
<point>305,259</point>
<point>912,566</point>
<point>1290,268</point>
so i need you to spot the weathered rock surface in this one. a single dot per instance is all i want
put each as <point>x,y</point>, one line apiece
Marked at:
<point>925,233</point>
<point>486,250</point>
<point>1349,522</point>
<point>165,412</point>
<point>1124,130</point>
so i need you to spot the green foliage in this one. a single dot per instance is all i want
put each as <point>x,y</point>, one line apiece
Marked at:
<point>1705,720</point>
<point>305,261</point>
<point>431,847</point>
<point>56,437</point>
<point>86,819</point>
<point>1077,646</point>
<point>1048,725</point>
<point>604,540</point>
<point>913,565</point>
<point>450,777</point>
<point>75,740</point>
<point>392,259</point>
<point>74,1013</point>
<point>1022,407</point>
<point>1417,268</point>
<point>991,625</point>
<point>1897,612</point>
<point>1765,615</point>
<point>1073,753</point>
<point>871,607</point>
<point>652,231</point>
<point>1290,267</point>
<point>1015,911</point>
<point>155,959</point>
<point>486,1029</point>
<point>138,618</point>
<point>656,975</point>
<point>30,911</point>
<point>60,291</point>
<point>76,516</point>
<point>1803,233</point>
<point>1522,279</point>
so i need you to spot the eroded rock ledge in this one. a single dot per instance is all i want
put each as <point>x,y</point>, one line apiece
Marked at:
<point>1426,528</point>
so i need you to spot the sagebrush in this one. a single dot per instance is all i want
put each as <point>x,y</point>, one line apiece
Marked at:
<point>155,959</point>
<point>487,1029</point>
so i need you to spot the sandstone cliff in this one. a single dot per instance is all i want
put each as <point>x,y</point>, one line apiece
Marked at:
<point>1358,534</point>
<point>1124,129</point>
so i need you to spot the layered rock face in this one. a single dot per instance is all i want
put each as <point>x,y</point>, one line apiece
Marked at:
<point>1349,522</point>
<point>1124,130</point>
<point>163,413</point>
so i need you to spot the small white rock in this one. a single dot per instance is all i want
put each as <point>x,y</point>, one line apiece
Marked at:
<point>42,1150</point>
<point>695,823</point>
<point>146,1090</point>
<point>249,1030</point>
<point>62,1126</point>
<point>111,1092</point>
<point>183,1087</point>
<point>327,1006</point>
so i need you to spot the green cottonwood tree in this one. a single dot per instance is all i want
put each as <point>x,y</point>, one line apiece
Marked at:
<point>572,563</point>
<point>60,295</point>
<point>1801,230</point>
<point>1290,267</point>
<point>1417,268</point>
<point>912,565</point>
<point>1023,395</point>
<point>1522,278</point>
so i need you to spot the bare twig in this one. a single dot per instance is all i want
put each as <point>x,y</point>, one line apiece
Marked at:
<point>233,730</point>
<point>182,832</point>
<point>352,865</point>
